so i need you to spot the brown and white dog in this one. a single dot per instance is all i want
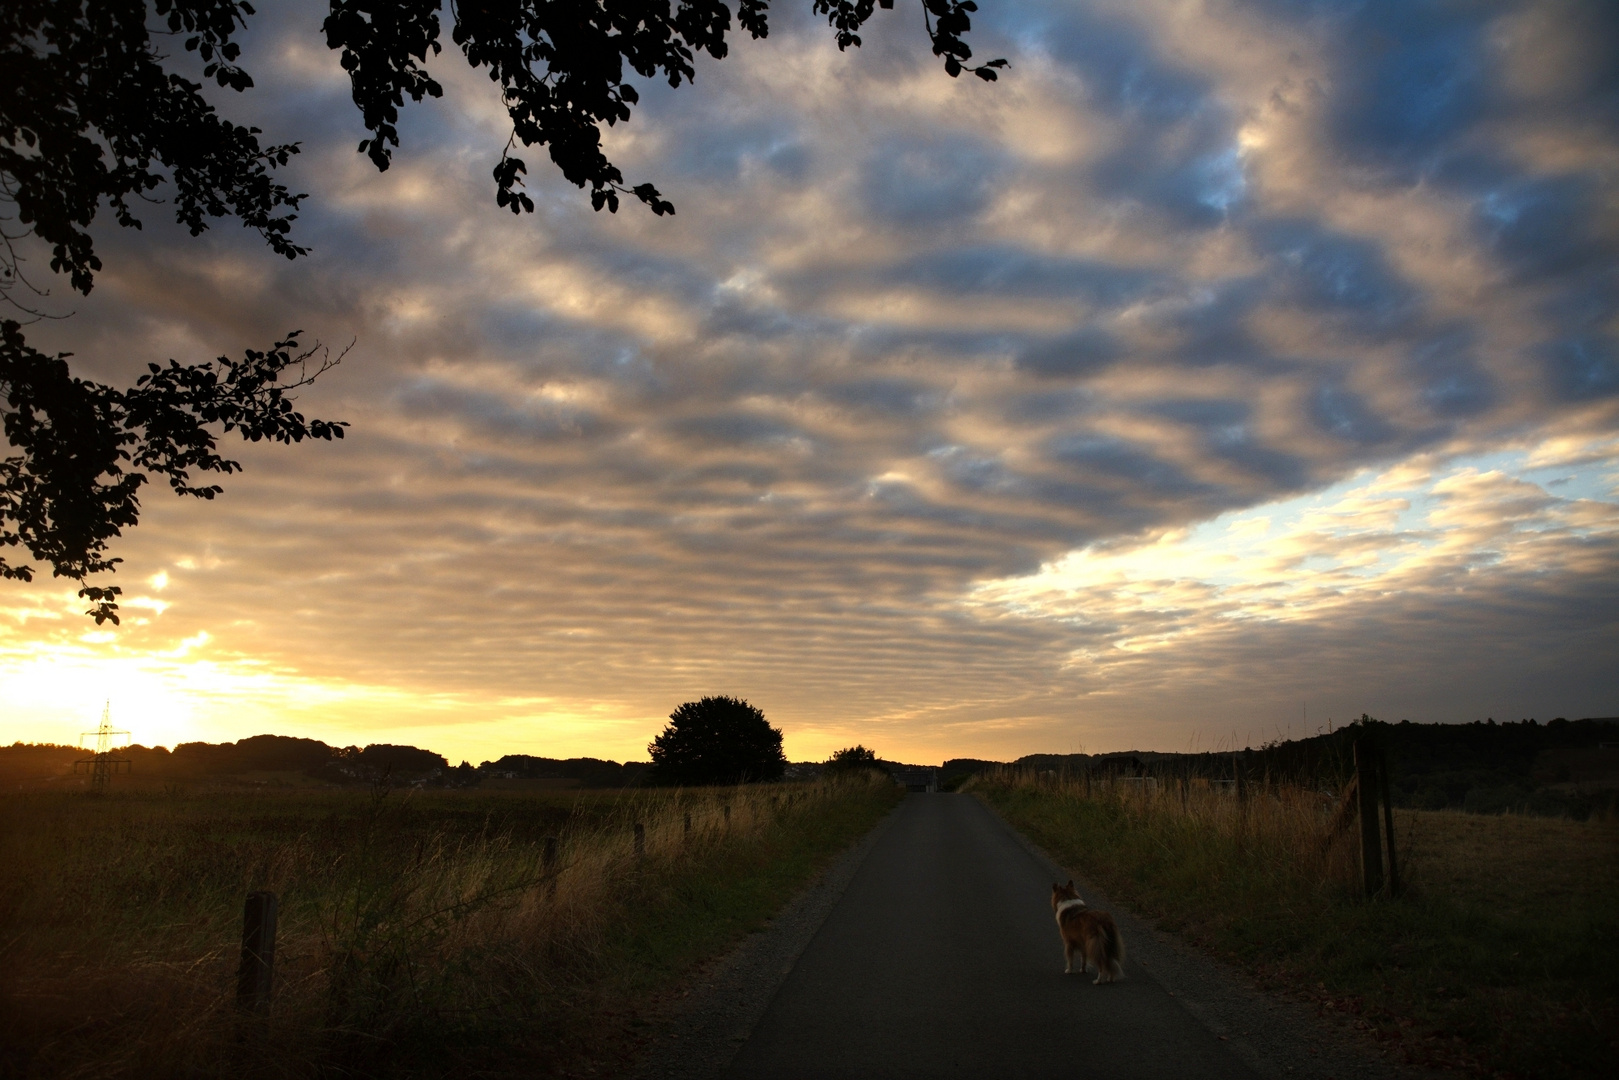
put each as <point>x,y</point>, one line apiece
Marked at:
<point>1092,934</point>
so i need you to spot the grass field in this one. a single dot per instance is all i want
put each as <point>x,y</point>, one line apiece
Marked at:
<point>1500,958</point>
<point>420,934</point>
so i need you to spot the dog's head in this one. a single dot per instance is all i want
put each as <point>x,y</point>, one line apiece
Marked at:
<point>1059,893</point>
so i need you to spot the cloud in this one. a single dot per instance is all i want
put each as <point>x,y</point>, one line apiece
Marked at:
<point>1339,277</point>
<point>927,182</point>
<point>1441,560</point>
<point>1189,301</point>
<point>1584,367</point>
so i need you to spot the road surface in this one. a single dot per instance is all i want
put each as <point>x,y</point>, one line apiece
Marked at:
<point>942,960</point>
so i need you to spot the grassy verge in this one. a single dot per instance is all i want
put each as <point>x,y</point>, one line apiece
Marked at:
<point>419,936</point>
<point>1500,958</point>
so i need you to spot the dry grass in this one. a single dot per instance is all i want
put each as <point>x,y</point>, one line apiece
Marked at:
<point>1500,958</point>
<point>420,935</point>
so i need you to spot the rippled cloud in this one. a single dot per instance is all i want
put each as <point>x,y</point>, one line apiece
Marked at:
<point>1216,358</point>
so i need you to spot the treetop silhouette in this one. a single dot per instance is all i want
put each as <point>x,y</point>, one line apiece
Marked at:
<point>717,740</point>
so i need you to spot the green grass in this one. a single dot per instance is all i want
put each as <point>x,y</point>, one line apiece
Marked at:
<point>1500,958</point>
<point>420,935</point>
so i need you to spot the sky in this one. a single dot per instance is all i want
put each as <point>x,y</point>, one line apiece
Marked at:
<point>1227,370</point>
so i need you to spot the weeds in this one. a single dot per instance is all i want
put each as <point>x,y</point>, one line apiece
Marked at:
<point>1500,958</point>
<point>422,934</point>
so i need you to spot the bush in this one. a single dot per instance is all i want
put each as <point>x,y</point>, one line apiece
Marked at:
<point>718,740</point>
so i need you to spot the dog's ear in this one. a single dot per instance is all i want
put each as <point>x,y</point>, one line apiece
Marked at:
<point>1070,883</point>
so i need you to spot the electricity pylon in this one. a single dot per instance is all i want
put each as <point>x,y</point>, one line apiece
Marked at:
<point>103,765</point>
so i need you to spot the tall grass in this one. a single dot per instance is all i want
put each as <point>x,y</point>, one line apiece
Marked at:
<point>1500,957</point>
<point>420,935</point>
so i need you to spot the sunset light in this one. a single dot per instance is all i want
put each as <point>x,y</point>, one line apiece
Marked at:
<point>810,539</point>
<point>1211,360</point>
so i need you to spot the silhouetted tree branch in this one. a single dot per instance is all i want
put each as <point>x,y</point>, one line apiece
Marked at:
<point>91,112</point>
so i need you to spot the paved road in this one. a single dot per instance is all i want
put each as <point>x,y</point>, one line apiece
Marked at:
<point>942,960</point>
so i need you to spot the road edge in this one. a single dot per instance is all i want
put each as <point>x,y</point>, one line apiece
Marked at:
<point>1279,1038</point>
<point>698,1033</point>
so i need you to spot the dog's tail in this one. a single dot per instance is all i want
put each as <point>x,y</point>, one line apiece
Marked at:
<point>1115,949</point>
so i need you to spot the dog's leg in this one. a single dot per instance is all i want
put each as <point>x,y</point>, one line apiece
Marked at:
<point>1068,959</point>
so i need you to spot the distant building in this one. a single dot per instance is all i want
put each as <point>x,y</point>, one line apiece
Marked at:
<point>915,777</point>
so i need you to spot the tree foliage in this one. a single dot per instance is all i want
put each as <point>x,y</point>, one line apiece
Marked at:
<point>852,758</point>
<point>717,740</point>
<point>84,445</point>
<point>561,67</point>
<point>92,111</point>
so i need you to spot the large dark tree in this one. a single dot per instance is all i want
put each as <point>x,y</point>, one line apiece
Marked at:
<point>718,740</point>
<point>94,111</point>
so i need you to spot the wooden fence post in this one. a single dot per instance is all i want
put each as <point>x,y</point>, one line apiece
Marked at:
<point>1388,820</point>
<point>548,865</point>
<point>1371,848</point>
<point>640,840</point>
<point>688,823</point>
<point>256,972</point>
<point>727,809</point>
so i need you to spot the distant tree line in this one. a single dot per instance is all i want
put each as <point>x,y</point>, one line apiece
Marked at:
<point>316,760</point>
<point>586,772</point>
<point>1563,767</point>
<point>259,754</point>
<point>1557,768</point>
